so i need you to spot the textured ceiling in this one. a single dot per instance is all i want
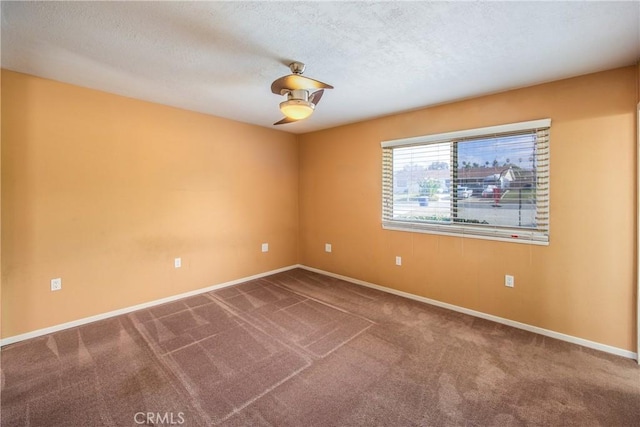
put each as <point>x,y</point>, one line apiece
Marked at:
<point>382,57</point>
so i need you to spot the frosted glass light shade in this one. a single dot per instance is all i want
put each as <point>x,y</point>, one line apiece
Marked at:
<point>297,109</point>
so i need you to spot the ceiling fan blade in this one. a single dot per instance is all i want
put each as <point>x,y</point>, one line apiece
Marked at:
<point>315,97</point>
<point>296,81</point>
<point>285,121</point>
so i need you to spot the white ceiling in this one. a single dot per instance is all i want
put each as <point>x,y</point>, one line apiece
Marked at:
<point>382,57</point>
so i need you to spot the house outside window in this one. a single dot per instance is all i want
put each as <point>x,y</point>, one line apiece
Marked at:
<point>490,183</point>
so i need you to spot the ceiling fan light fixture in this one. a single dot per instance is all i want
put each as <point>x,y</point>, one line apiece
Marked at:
<point>296,109</point>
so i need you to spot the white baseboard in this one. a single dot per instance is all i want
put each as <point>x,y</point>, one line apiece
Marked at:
<point>546,332</point>
<point>84,321</point>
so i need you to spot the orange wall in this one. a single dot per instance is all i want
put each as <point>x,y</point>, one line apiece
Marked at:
<point>0,207</point>
<point>105,191</point>
<point>582,284</point>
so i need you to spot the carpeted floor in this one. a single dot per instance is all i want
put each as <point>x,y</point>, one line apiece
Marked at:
<point>302,349</point>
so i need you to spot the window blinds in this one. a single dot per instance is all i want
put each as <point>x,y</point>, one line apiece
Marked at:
<point>486,183</point>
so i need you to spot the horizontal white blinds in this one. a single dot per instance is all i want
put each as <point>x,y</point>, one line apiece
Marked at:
<point>387,183</point>
<point>542,183</point>
<point>473,133</point>
<point>492,184</point>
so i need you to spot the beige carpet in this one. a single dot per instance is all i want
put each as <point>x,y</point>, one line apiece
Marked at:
<point>302,349</point>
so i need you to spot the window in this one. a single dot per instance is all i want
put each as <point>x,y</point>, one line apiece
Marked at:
<point>490,183</point>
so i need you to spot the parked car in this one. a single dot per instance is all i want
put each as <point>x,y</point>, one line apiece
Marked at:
<point>488,192</point>
<point>476,188</point>
<point>464,192</point>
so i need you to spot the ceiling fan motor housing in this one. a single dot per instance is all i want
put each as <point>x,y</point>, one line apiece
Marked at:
<point>300,94</point>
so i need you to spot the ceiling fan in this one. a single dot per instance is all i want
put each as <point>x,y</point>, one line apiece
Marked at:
<point>303,94</point>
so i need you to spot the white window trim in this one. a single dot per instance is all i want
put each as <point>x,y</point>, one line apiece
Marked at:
<point>465,231</point>
<point>489,130</point>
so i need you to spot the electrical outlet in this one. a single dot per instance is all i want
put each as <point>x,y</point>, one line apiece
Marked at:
<point>509,281</point>
<point>177,263</point>
<point>265,247</point>
<point>398,260</point>
<point>56,284</point>
<point>327,247</point>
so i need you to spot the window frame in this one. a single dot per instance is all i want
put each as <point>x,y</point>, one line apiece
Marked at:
<point>537,236</point>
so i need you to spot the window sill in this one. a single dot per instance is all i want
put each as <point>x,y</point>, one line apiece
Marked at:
<point>510,236</point>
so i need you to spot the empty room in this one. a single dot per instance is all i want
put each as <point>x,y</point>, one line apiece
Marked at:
<point>319,213</point>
